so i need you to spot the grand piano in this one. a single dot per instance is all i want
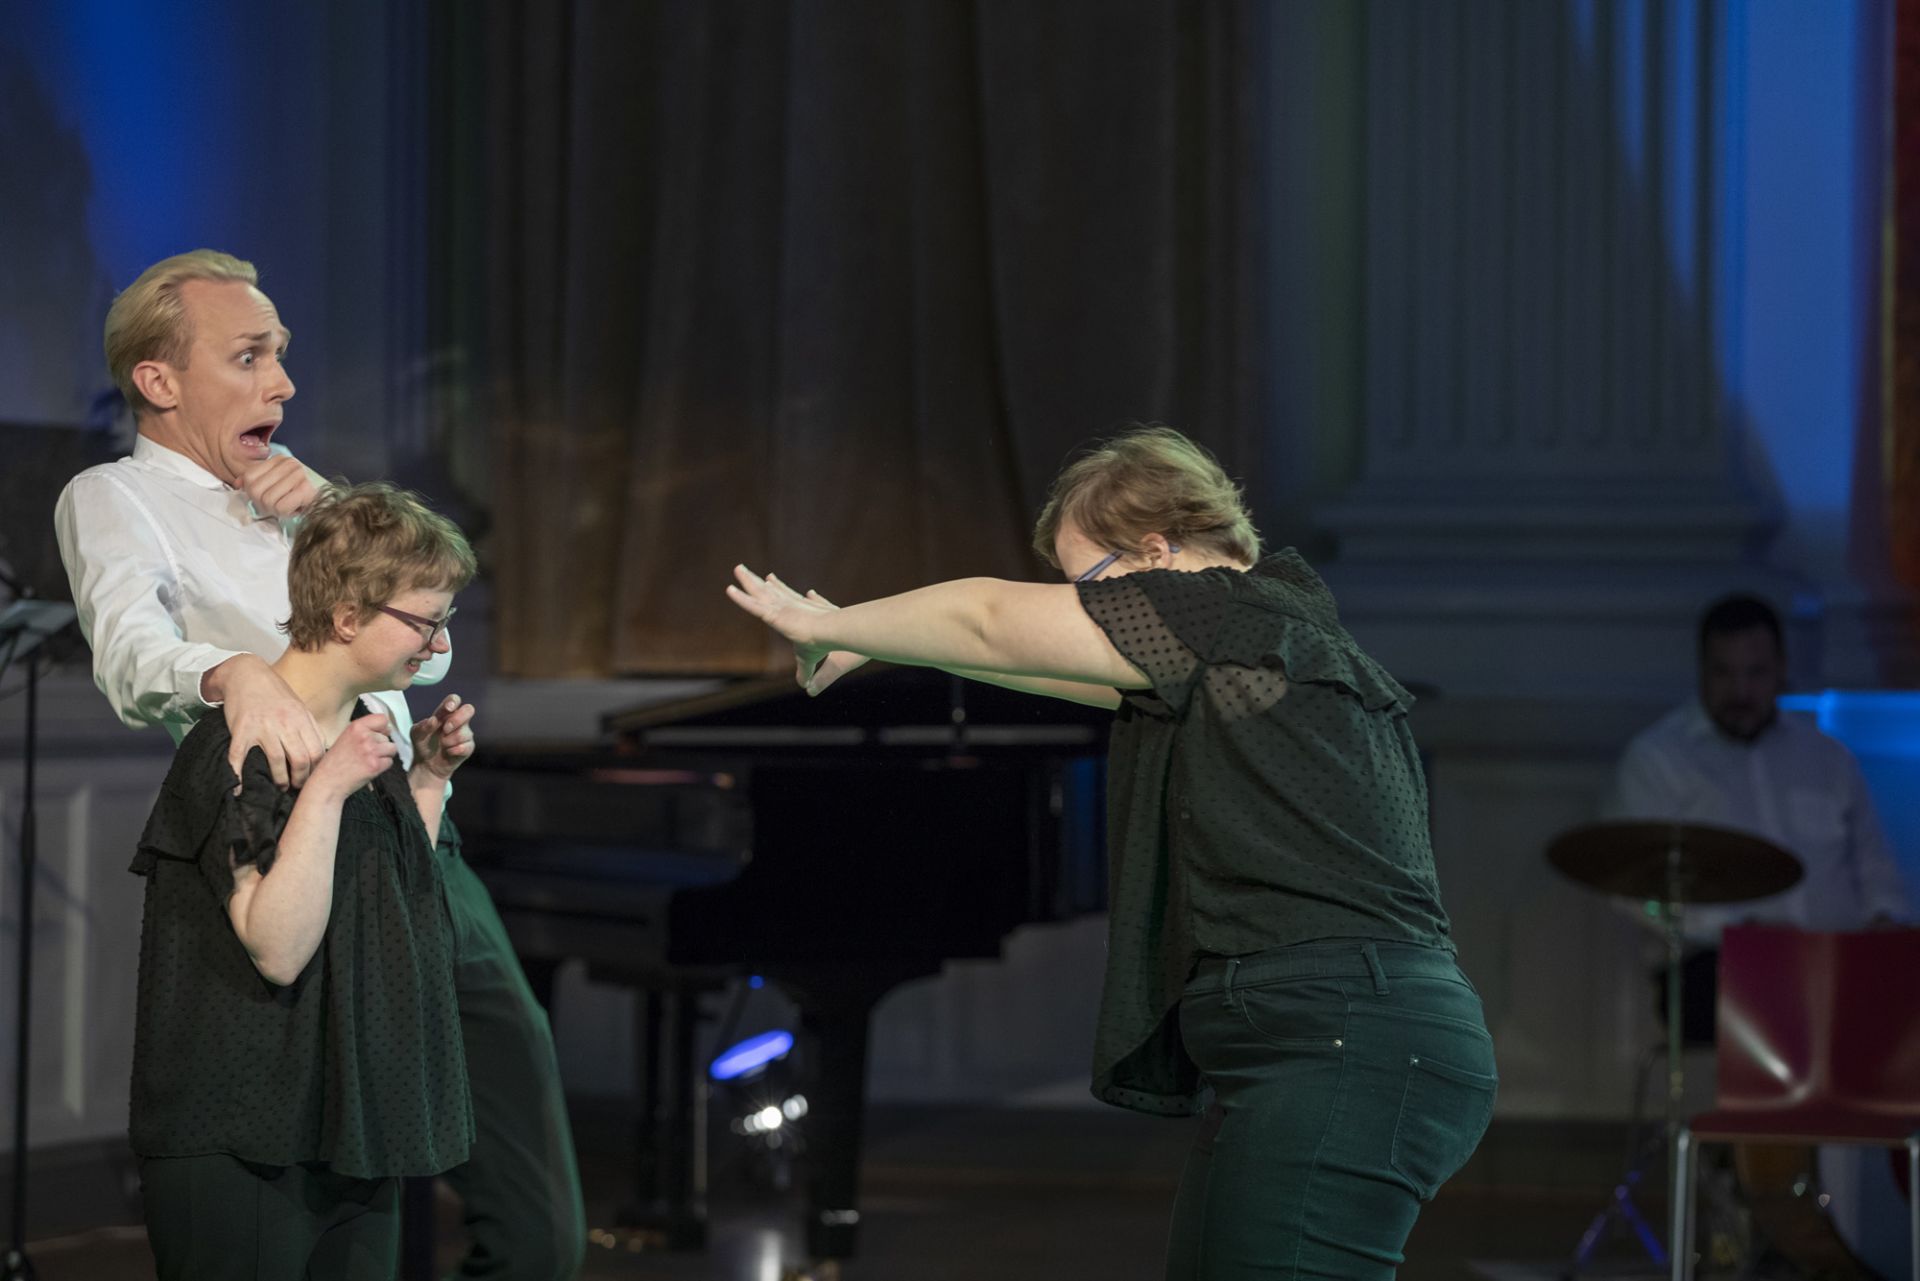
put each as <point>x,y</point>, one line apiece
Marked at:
<point>837,846</point>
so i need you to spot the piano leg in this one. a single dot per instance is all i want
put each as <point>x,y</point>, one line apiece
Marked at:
<point>670,1172</point>
<point>835,1007</point>
<point>836,1111</point>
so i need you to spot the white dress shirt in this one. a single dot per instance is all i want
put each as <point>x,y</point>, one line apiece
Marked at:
<point>173,572</point>
<point>1794,786</point>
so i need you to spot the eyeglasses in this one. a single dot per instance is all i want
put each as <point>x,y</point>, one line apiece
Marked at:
<point>1108,559</point>
<point>436,627</point>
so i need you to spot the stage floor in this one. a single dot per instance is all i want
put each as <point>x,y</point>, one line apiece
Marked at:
<point>1020,1195</point>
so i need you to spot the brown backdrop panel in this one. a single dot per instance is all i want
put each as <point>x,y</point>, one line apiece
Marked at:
<point>832,289</point>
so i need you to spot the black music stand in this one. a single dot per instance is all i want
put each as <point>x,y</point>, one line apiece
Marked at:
<point>25,626</point>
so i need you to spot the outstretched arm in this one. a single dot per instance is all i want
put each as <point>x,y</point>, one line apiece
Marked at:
<point>978,626</point>
<point>838,663</point>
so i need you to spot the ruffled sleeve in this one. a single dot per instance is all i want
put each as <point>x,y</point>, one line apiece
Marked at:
<point>251,822</point>
<point>199,819</point>
<point>1173,625</point>
<point>1154,625</point>
<point>188,807</point>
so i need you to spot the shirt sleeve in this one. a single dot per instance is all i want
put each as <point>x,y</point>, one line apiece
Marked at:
<point>123,575</point>
<point>1883,891</point>
<point>1133,620</point>
<point>1173,625</point>
<point>200,819</point>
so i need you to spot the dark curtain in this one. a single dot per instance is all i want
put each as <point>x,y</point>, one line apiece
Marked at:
<point>831,288</point>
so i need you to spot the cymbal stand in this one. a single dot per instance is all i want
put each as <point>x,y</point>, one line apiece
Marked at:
<point>1620,1207</point>
<point>1670,914</point>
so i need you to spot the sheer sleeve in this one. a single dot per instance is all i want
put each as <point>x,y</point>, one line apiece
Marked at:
<point>1154,629</point>
<point>199,818</point>
<point>1174,625</point>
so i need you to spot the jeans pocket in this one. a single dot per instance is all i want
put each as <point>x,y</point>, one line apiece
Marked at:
<point>1443,1113</point>
<point>1300,1014</point>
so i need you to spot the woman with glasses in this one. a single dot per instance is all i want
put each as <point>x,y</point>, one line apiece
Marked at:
<point>297,1047</point>
<point>1278,956</point>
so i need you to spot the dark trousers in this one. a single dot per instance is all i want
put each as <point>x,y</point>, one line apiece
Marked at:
<point>521,1183</point>
<point>218,1218</point>
<point>1350,1080</point>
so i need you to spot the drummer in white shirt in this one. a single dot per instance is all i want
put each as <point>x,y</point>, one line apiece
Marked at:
<point>1729,759</point>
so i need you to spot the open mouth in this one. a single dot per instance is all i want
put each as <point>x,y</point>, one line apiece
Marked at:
<point>256,438</point>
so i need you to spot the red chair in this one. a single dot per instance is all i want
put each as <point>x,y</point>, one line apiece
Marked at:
<point>1818,1042</point>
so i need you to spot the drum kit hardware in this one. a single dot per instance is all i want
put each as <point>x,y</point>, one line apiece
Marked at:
<point>1671,866</point>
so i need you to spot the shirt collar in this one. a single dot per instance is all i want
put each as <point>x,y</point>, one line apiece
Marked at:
<point>154,454</point>
<point>1699,725</point>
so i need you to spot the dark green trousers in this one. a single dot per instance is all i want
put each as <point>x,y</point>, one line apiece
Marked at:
<point>1351,1079</point>
<point>218,1218</point>
<point>521,1183</point>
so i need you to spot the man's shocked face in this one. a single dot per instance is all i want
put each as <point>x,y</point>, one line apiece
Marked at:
<point>223,405</point>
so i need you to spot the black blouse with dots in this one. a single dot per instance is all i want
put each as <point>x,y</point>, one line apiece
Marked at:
<point>357,1063</point>
<point>1265,792</point>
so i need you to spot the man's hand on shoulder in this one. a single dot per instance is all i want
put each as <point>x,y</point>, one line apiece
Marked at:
<point>280,486</point>
<point>264,712</point>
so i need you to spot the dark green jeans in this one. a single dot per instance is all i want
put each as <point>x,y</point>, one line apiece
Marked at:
<point>218,1218</point>
<point>1350,1079</point>
<point>520,1184</point>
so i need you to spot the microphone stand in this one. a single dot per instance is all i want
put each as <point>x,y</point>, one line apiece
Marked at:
<point>25,625</point>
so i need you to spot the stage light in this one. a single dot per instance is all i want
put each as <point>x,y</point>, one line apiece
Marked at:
<point>750,1055</point>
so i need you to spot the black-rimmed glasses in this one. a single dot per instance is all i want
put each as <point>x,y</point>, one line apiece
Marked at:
<point>436,627</point>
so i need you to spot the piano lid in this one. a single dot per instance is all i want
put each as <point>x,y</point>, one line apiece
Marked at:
<point>878,706</point>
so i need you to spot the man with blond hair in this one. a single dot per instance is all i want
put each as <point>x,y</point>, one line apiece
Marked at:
<point>177,556</point>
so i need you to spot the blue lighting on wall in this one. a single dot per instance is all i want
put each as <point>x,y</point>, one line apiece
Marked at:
<point>1882,728</point>
<point>750,1055</point>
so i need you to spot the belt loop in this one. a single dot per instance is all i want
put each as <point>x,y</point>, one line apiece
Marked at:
<point>1226,984</point>
<point>1374,967</point>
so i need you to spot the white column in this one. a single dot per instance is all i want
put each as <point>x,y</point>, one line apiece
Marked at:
<point>1552,485</point>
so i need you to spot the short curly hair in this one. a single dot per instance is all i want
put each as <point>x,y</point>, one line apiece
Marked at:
<point>1148,480</point>
<point>362,545</point>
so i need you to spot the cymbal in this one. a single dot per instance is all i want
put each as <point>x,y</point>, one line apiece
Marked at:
<point>1716,864</point>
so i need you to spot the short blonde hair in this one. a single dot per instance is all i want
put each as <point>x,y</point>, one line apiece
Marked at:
<point>362,545</point>
<point>149,322</point>
<point>1148,480</point>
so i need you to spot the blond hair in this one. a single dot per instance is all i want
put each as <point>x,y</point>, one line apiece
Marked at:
<point>362,545</point>
<point>148,321</point>
<point>1148,480</point>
